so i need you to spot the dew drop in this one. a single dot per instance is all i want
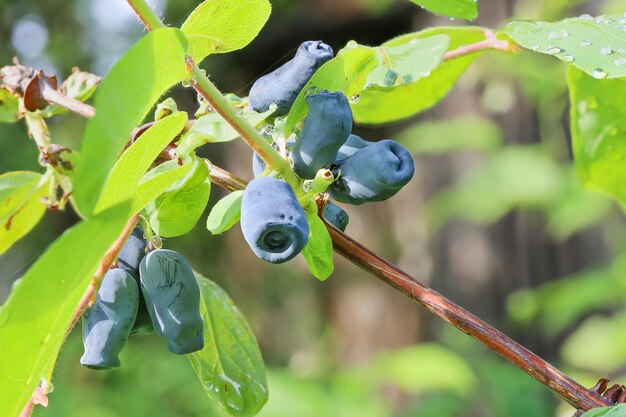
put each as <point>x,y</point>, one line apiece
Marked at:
<point>424,74</point>
<point>558,34</point>
<point>352,44</point>
<point>619,61</point>
<point>46,339</point>
<point>622,21</point>
<point>553,50</point>
<point>606,51</point>
<point>310,90</point>
<point>355,98</point>
<point>599,74</point>
<point>535,47</point>
<point>585,17</point>
<point>585,43</point>
<point>568,58</point>
<point>602,20</point>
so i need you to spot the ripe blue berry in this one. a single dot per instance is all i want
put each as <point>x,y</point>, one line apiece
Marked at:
<point>272,221</point>
<point>336,216</point>
<point>283,84</point>
<point>351,145</point>
<point>373,173</point>
<point>173,300</point>
<point>107,324</point>
<point>133,251</point>
<point>326,127</point>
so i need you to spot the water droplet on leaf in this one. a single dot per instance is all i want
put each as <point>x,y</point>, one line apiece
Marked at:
<point>355,98</point>
<point>606,51</point>
<point>553,50</point>
<point>599,74</point>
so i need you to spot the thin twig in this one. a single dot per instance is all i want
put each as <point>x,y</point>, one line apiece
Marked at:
<point>53,96</point>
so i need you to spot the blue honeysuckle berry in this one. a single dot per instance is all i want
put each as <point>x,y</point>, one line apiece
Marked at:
<point>272,221</point>
<point>336,216</point>
<point>173,300</point>
<point>129,258</point>
<point>373,173</point>
<point>350,146</point>
<point>107,324</point>
<point>325,129</point>
<point>258,165</point>
<point>282,85</point>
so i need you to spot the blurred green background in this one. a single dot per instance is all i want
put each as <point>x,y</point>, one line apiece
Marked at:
<point>494,219</point>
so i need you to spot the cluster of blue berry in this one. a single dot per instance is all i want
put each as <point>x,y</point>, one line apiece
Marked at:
<point>169,303</point>
<point>273,221</point>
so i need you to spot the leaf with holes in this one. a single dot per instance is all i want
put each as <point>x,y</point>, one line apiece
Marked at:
<point>598,125</point>
<point>135,82</point>
<point>31,337</point>
<point>20,204</point>
<point>220,26</point>
<point>597,45</point>
<point>225,213</point>
<point>230,366</point>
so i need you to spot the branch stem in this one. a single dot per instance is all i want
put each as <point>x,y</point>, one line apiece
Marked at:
<point>569,390</point>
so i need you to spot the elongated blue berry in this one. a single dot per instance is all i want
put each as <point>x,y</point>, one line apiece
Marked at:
<point>107,324</point>
<point>326,127</point>
<point>336,216</point>
<point>272,221</point>
<point>373,173</point>
<point>129,259</point>
<point>173,300</point>
<point>283,84</point>
<point>350,146</point>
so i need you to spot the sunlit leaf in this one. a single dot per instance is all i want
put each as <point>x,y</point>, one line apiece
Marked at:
<point>376,105</point>
<point>618,410</point>
<point>9,107</point>
<point>21,207</point>
<point>597,45</point>
<point>598,125</point>
<point>460,9</point>
<point>177,210</point>
<point>230,366</point>
<point>156,185</point>
<point>219,26</point>
<point>225,213</point>
<point>30,337</point>
<point>135,82</point>
<point>318,252</point>
<point>125,176</point>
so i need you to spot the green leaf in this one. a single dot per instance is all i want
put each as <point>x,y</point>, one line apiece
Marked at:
<point>177,210</point>
<point>135,82</point>
<point>377,105</point>
<point>459,9</point>
<point>517,176</point>
<point>212,128</point>
<point>230,366</point>
<point>595,45</point>
<point>220,26</point>
<point>127,172</point>
<point>9,107</point>
<point>346,72</point>
<point>318,252</point>
<point>618,410</point>
<point>598,125</point>
<point>452,135</point>
<point>225,213</point>
<point>20,204</point>
<point>156,185</point>
<point>36,316</point>
<point>358,69</point>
